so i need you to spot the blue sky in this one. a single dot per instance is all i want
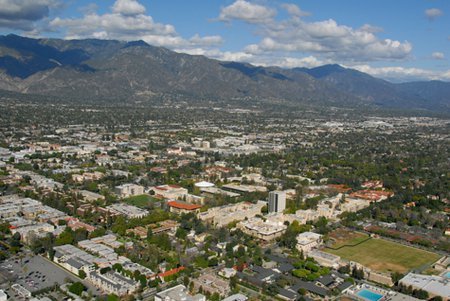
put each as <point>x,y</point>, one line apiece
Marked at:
<point>398,40</point>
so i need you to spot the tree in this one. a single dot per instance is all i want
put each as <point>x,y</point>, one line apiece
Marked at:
<point>213,262</point>
<point>289,238</point>
<point>396,276</point>
<point>421,294</point>
<point>76,288</point>
<point>272,289</point>
<point>181,233</point>
<point>186,280</point>
<point>65,238</point>
<point>357,273</point>
<point>112,297</point>
<point>149,233</point>
<point>120,225</point>
<point>82,274</point>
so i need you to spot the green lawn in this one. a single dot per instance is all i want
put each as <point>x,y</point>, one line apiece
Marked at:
<point>385,256</point>
<point>141,201</point>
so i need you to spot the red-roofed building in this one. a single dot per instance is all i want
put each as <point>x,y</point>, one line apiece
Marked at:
<point>340,188</point>
<point>74,225</point>
<point>183,207</point>
<point>371,195</point>
<point>372,184</point>
<point>170,272</point>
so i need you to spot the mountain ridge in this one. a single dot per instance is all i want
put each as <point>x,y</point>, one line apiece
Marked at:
<point>130,71</point>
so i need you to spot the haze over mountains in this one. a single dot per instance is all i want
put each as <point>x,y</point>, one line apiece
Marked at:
<point>135,71</point>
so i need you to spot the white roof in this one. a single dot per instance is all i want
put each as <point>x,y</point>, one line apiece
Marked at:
<point>204,184</point>
<point>436,285</point>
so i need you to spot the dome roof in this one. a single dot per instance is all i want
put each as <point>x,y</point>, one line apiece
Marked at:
<point>204,184</point>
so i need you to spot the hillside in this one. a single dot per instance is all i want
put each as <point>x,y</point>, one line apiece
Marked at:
<point>135,71</point>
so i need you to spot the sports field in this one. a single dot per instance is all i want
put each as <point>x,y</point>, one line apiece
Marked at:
<point>141,201</point>
<point>382,255</point>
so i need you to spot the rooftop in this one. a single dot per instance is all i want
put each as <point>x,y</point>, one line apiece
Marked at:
<point>183,205</point>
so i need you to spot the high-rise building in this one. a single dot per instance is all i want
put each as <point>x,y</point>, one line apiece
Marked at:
<point>277,201</point>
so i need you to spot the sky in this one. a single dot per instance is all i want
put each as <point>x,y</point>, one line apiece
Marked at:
<point>398,40</point>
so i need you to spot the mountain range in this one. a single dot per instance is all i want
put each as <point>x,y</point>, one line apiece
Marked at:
<point>118,71</point>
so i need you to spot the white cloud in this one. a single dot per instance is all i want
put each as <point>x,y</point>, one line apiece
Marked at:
<point>128,7</point>
<point>438,56</point>
<point>371,28</point>
<point>403,73</point>
<point>294,10</point>
<point>128,21</point>
<point>293,62</point>
<point>329,40</point>
<point>246,11</point>
<point>238,56</point>
<point>91,8</point>
<point>242,56</point>
<point>433,13</point>
<point>22,14</point>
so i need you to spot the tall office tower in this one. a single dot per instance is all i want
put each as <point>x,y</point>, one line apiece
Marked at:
<point>277,201</point>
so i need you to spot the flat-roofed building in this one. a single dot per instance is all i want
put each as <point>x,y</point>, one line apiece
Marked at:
<point>73,259</point>
<point>3,296</point>
<point>307,241</point>
<point>211,283</point>
<point>127,190</point>
<point>90,196</point>
<point>170,191</point>
<point>236,297</point>
<point>266,230</point>
<point>178,293</point>
<point>434,285</point>
<point>223,215</point>
<point>126,210</point>
<point>244,188</point>
<point>325,259</point>
<point>114,283</point>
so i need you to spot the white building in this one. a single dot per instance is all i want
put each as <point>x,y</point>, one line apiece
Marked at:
<point>114,283</point>
<point>307,241</point>
<point>3,296</point>
<point>434,285</point>
<point>266,230</point>
<point>222,216</point>
<point>277,201</point>
<point>127,210</point>
<point>325,259</point>
<point>178,293</point>
<point>170,191</point>
<point>127,190</point>
<point>74,259</point>
<point>236,297</point>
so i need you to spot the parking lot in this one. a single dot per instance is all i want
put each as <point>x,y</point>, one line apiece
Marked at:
<point>33,273</point>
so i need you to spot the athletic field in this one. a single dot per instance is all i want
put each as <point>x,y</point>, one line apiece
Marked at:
<point>379,254</point>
